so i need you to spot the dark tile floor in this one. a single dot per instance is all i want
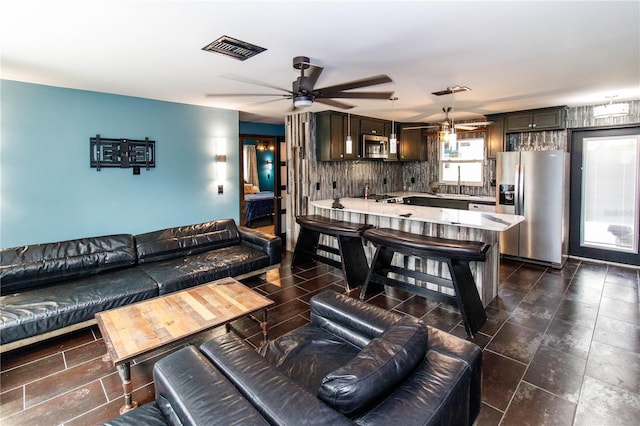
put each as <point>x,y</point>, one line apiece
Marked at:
<point>560,347</point>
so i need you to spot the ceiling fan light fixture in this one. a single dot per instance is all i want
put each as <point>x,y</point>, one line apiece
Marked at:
<point>302,101</point>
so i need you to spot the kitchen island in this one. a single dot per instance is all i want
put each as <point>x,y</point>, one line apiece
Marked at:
<point>437,222</point>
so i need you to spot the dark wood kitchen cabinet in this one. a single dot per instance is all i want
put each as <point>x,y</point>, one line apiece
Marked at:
<point>372,126</point>
<point>412,144</point>
<point>332,129</point>
<point>495,135</point>
<point>534,120</point>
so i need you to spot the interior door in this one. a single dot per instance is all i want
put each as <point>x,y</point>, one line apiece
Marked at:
<point>605,200</point>
<point>280,190</point>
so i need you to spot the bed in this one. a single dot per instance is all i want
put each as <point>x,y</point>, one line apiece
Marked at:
<point>257,206</point>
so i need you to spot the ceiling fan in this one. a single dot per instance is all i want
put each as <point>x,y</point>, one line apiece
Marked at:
<point>304,93</point>
<point>447,124</point>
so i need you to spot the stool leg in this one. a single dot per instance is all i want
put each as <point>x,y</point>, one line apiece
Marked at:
<point>307,243</point>
<point>379,266</point>
<point>471,308</point>
<point>354,261</point>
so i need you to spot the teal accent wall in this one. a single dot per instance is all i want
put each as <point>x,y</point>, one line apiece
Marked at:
<point>49,193</point>
<point>262,129</point>
<point>265,169</point>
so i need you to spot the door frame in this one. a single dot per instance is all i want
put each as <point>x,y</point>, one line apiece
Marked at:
<point>575,138</point>
<point>279,228</point>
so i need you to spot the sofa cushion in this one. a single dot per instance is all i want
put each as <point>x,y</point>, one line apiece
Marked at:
<point>182,241</point>
<point>307,354</point>
<point>191,391</point>
<point>384,363</point>
<point>184,272</point>
<point>34,265</point>
<point>274,395</point>
<point>45,309</point>
<point>349,318</point>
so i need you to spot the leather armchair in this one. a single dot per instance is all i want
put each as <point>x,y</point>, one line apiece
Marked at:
<point>354,363</point>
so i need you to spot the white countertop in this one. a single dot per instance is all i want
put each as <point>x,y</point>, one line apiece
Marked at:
<point>465,218</point>
<point>479,198</point>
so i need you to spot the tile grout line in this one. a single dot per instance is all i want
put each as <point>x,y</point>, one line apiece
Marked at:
<point>584,374</point>
<point>521,379</point>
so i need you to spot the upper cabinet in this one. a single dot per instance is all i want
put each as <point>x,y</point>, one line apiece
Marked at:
<point>412,144</point>
<point>332,129</point>
<point>330,136</point>
<point>372,126</point>
<point>504,127</point>
<point>534,120</point>
<point>495,135</point>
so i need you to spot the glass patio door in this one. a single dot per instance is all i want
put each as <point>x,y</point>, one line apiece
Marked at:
<point>605,200</point>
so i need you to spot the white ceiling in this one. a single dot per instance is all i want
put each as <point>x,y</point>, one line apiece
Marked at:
<point>513,55</point>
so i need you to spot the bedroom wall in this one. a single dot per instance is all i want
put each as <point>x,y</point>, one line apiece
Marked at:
<point>265,166</point>
<point>265,169</point>
<point>48,192</point>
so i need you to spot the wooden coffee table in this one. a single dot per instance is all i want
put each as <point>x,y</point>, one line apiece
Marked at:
<point>137,329</point>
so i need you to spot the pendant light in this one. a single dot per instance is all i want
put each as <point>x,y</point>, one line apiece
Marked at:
<point>393,140</point>
<point>349,142</point>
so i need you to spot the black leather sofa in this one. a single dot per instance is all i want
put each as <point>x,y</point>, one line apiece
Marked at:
<point>49,289</point>
<point>354,363</point>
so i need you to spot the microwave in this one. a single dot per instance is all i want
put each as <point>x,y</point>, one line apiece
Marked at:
<point>375,146</point>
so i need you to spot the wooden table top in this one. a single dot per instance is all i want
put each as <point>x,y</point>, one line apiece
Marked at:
<point>136,329</point>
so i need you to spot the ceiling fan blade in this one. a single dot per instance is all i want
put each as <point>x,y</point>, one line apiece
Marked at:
<point>365,82</point>
<point>355,95</point>
<point>465,126</point>
<point>256,82</point>
<point>333,103</point>
<point>420,127</point>
<point>222,95</point>
<point>311,79</point>
<point>472,125</point>
<point>268,102</point>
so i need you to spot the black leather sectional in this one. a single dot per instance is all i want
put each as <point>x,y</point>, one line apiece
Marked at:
<point>53,286</point>
<point>353,364</point>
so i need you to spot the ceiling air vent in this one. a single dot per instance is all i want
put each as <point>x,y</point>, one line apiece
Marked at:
<point>234,48</point>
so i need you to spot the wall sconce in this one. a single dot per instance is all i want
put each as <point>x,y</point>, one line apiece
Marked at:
<point>221,163</point>
<point>263,146</point>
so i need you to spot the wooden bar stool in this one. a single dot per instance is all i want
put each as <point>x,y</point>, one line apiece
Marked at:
<point>353,261</point>
<point>456,254</point>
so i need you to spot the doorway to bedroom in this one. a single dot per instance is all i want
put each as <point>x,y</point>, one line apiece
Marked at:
<point>263,174</point>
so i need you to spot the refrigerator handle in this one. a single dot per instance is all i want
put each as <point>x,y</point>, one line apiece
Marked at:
<point>516,195</point>
<point>520,190</point>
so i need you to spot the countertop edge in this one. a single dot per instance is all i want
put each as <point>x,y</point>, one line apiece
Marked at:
<point>464,218</point>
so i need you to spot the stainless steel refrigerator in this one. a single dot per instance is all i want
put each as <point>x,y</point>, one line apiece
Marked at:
<point>535,184</point>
